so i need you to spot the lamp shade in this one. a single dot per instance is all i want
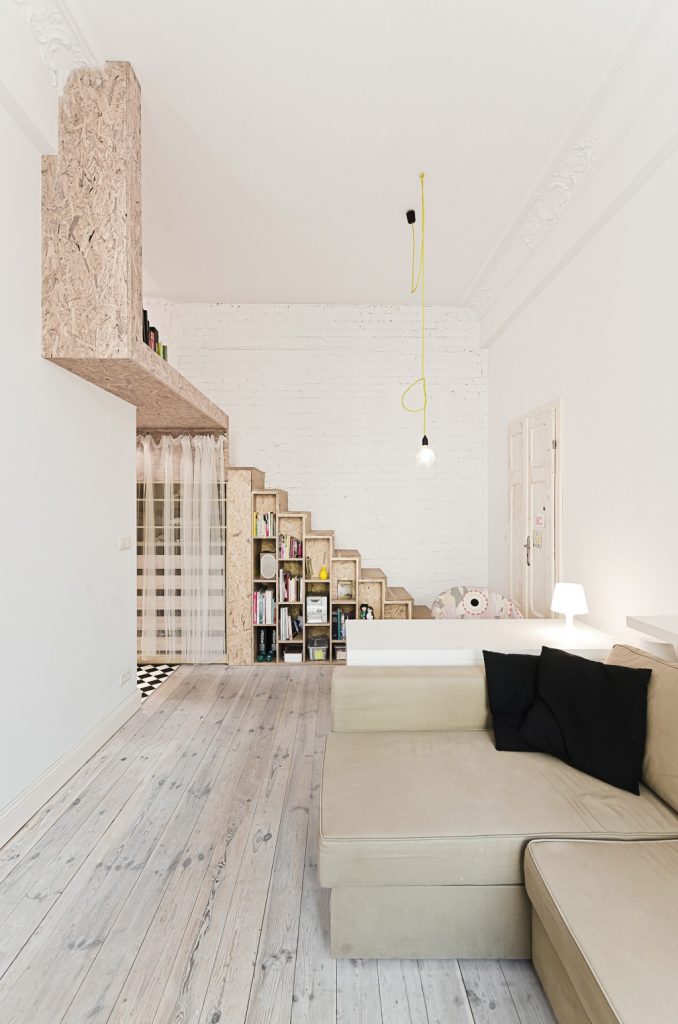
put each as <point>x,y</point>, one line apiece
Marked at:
<point>569,599</point>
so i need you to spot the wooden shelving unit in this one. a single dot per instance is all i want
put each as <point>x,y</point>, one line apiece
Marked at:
<point>347,586</point>
<point>264,541</point>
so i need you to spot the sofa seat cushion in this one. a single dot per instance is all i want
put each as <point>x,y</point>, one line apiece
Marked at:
<point>446,808</point>
<point>610,910</point>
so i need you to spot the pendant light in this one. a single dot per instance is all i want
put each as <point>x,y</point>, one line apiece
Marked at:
<point>425,457</point>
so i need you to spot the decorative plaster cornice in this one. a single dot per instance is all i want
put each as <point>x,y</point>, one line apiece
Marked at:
<point>481,302</point>
<point>634,101</point>
<point>61,37</point>
<point>550,201</point>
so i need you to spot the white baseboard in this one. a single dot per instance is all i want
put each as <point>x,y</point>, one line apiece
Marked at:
<point>15,814</point>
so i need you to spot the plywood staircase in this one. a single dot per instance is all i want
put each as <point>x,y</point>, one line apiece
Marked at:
<point>349,584</point>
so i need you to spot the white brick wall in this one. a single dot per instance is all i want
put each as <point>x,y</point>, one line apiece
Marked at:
<point>313,393</point>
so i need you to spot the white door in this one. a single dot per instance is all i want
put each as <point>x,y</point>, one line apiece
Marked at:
<point>534,509</point>
<point>517,514</point>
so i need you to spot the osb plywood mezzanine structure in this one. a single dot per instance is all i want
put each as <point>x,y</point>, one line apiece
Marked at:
<point>91,255</point>
<point>92,325</point>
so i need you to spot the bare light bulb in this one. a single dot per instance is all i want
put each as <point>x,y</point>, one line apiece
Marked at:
<point>425,456</point>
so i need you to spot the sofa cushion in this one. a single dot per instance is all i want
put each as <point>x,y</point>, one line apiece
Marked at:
<point>380,699</point>
<point>590,715</point>
<point>610,910</point>
<point>660,767</point>
<point>511,688</point>
<point>443,808</point>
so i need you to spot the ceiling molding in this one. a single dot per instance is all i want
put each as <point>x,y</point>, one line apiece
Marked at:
<point>642,74</point>
<point>481,302</point>
<point>60,35</point>
<point>551,200</point>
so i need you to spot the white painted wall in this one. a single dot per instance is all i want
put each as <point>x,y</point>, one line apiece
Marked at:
<point>602,337</point>
<point>67,615</point>
<point>313,392</point>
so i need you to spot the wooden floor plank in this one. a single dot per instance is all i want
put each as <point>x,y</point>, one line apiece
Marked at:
<point>315,976</point>
<point>102,884</point>
<point>42,821</point>
<point>171,857</point>
<point>402,997</point>
<point>358,999</point>
<point>77,802</point>
<point>219,946</point>
<point>38,882</point>
<point>444,992</point>
<point>324,721</point>
<point>267,994</point>
<point>209,851</point>
<point>526,991</point>
<point>488,993</point>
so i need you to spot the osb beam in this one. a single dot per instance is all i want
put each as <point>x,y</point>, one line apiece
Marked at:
<point>91,254</point>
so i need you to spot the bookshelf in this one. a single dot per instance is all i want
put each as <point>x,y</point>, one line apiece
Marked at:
<point>299,556</point>
<point>264,579</point>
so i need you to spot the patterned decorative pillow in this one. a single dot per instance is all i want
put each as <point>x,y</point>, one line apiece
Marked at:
<point>473,603</point>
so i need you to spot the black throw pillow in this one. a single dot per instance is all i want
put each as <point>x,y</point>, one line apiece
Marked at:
<point>591,715</point>
<point>511,687</point>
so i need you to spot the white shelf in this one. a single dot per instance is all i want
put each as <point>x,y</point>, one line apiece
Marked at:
<point>660,627</point>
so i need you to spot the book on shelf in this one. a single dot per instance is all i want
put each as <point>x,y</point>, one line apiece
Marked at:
<point>339,619</point>
<point>265,645</point>
<point>263,607</point>
<point>151,337</point>
<point>289,547</point>
<point>290,587</point>
<point>291,626</point>
<point>263,524</point>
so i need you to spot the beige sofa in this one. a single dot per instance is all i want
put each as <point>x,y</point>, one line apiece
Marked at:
<point>424,828</point>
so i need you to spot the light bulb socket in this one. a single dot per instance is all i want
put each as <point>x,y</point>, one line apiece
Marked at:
<point>424,440</point>
<point>411,216</point>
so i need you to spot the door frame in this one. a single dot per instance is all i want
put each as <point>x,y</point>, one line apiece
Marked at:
<point>556,479</point>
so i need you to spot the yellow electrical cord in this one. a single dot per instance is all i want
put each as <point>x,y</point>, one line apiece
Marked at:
<point>419,283</point>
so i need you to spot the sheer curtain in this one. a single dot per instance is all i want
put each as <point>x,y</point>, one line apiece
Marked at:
<point>182,523</point>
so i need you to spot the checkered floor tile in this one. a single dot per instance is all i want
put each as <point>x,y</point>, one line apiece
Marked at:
<point>149,677</point>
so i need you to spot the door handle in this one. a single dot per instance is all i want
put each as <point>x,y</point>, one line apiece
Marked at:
<point>528,547</point>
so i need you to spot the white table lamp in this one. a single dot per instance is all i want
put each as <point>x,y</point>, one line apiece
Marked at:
<point>569,600</point>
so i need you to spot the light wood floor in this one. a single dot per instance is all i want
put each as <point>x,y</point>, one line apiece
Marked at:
<point>173,880</point>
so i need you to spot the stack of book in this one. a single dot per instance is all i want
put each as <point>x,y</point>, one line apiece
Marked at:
<point>263,524</point>
<point>151,337</point>
<point>289,547</point>
<point>291,625</point>
<point>339,618</point>
<point>263,607</point>
<point>290,587</point>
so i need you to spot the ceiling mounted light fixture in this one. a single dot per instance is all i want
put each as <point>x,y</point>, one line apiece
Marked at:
<point>425,456</point>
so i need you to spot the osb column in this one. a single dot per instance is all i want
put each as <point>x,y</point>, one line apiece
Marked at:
<point>91,215</point>
<point>239,567</point>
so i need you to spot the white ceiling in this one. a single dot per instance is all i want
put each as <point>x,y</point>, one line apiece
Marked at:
<point>282,142</point>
